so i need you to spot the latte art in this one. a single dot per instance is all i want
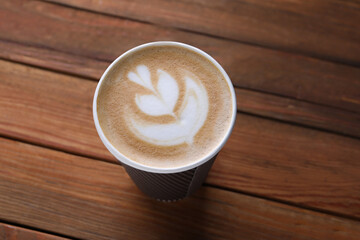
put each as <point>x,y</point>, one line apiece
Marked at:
<point>186,123</point>
<point>164,106</point>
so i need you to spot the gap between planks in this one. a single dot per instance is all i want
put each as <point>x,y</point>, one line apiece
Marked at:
<point>99,198</point>
<point>324,129</point>
<point>330,213</point>
<point>183,29</point>
<point>246,193</point>
<point>282,143</point>
<point>45,234</point>
<point>264,69</point>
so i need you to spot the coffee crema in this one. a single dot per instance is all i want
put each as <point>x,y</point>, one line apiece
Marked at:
<point>164,106</point>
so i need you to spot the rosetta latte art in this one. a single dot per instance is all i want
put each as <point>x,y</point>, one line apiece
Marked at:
<point>187,121</point>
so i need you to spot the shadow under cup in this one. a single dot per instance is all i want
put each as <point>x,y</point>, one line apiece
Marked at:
<point>167,184</point>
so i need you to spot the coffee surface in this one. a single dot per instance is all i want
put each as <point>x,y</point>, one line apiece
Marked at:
<point>164,106</point>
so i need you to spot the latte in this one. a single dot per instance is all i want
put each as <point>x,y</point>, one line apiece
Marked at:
<point>164,106</point>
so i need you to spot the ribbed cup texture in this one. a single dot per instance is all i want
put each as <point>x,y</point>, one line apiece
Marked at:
<point>172,186</point>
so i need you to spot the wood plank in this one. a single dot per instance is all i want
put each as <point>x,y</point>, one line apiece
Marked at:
<point>64,31</point>
<point>290,163</point>
<point>322,28</point>
<point>49,109</point>
<point>10,232</point>
<point>53,60</point>
<point>264,157</point>
<point>90,199</point>
<point>295,111</point>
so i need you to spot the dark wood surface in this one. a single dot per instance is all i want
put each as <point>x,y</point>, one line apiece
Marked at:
<point>261,156</point>
<point>11,232</point>
<point>83,34</point>
<point>315,28</point>
<point>291,169</point>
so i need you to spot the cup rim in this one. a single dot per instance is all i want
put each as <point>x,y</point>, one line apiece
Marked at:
<point>134,164</point>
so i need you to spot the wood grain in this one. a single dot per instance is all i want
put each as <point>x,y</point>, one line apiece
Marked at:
<point>322,28</point>
<point>89,199</point>
<point>294,164</point>
<point>63,31</point>
<point>295,111</point>
<point>10,232</point>
<point>49,109</point>
<point>265,157</point>
<point>53,60</point>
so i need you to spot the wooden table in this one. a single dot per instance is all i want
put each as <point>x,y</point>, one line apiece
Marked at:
<point>291,169</point>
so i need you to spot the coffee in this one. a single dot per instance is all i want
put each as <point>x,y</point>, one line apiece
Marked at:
<point>164,106</point>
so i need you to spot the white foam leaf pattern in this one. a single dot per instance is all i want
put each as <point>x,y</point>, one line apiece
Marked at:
<point>142,77</point>
<point>196,109</point>
<point>152,105</point>
<point>168,89</point>
<point>192,115</point>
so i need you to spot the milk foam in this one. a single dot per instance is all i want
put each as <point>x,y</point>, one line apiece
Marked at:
<point>164,106</point>
<point>189,120</point>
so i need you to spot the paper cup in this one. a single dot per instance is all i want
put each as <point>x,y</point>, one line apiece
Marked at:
<point>167,184</point>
